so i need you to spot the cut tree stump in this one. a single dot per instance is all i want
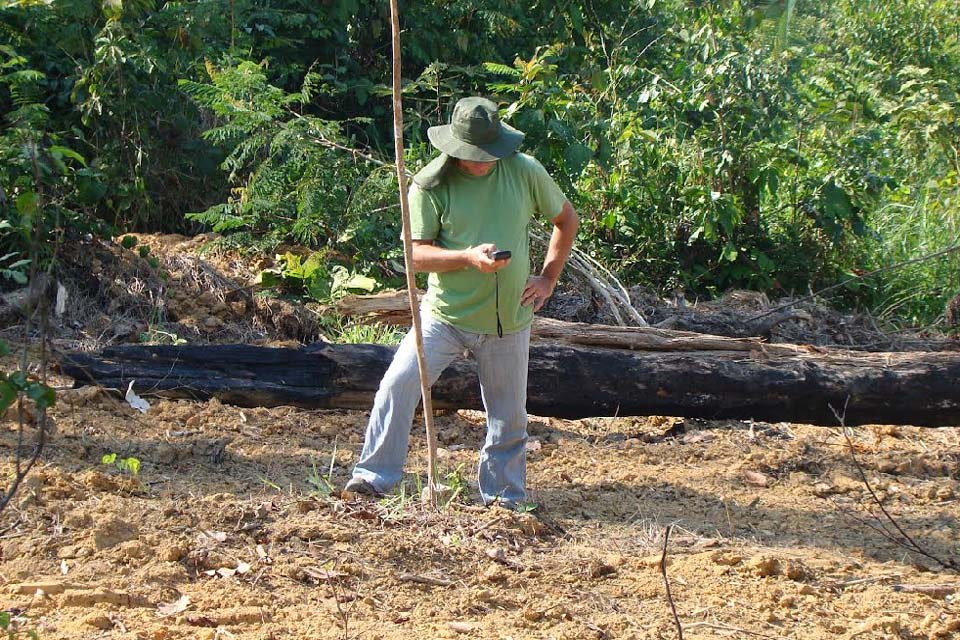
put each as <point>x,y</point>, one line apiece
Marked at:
<point>566,381</point>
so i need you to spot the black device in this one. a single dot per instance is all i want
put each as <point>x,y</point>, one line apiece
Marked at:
<point>500,255</point>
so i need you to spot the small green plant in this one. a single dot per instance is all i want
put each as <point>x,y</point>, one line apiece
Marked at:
<point>11,630</point>
<point>348,331</point>
<point>129,465</point>
<point>322,483</point>
<point>156,335</point>
<point>394,506</point>
<point>527,507</point>
<point>270,483</point>
<point>129,242</point>
<point>457,484</point>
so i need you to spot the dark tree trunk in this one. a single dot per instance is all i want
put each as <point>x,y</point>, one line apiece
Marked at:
<point>565,381</point>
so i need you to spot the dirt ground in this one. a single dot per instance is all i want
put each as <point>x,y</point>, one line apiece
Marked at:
<point>233,529</point>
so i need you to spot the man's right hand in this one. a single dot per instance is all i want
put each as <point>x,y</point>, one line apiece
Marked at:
<point>479,258</point>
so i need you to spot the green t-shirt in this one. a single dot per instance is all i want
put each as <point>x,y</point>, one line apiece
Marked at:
<point>464,211</point>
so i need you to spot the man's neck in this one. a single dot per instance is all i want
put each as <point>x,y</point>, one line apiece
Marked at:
<point>474,168</point>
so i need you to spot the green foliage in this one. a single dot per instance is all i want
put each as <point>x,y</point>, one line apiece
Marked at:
<point>772,144</point>
<point>14,268</point>
<point>527,507</point>
<point>43,179</point>
<point>314,277</point>
<point>747,147</point>
<point>292,184</point>
<point>156,335</point>
<point>15,383</point>
<point>915,222</point>
<point>11,630</point>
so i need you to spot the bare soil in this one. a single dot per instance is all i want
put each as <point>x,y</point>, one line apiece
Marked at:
<point>231,530</point>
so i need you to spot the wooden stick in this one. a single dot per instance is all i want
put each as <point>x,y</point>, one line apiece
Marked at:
<point>843,584</point>
<point>932,590</point>
<point>408,257</point>
<point>666,581</point>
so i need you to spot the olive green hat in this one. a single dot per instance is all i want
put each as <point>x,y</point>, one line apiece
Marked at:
<point>474,133</point>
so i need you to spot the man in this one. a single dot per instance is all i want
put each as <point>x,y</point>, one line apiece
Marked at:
<point>475,199</point>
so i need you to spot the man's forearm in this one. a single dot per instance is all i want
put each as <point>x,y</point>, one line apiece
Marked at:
<point>561,243</point>
<point>433,259</point>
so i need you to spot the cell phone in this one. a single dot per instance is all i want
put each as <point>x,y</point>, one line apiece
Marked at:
<point>500,255</point>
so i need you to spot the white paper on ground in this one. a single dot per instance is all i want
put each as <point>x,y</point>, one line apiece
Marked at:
<point>136,401</point>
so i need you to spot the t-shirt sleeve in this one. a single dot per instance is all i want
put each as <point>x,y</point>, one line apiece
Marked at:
<point>547,196</point>
<point>424,216</point>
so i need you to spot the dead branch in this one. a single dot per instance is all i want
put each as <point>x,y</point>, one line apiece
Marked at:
<point>391,307</point>
<point>901,537</point>
<point>666,581</point>
<point>602,280</point>
<point>932,590</point>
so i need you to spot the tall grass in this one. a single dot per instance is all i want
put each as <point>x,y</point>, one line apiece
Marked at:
<point>348,331</point>
<point>917,293</point>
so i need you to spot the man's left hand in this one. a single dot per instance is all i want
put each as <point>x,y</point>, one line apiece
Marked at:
<point>537,292</point>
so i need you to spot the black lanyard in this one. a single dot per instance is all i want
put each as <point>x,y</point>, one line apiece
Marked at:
<point>496,277</point>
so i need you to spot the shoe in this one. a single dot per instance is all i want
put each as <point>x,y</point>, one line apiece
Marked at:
<point>360,487</point>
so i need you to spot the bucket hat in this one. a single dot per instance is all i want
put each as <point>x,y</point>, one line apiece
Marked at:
<point>474,133</point>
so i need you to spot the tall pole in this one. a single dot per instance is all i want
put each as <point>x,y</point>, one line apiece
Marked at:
<point>408,257</point>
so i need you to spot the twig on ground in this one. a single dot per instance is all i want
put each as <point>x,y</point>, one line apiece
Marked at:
<point>486,525</point>
<point>843,584</point>
<point>13,525</point>
<point>427,580</point>
<point>901,537</point>
<point>932,590</point>
<point>666,581</point>
<point>340,597</point>
<point>725,627</point>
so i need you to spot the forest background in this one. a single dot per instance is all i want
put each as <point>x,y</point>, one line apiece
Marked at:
<point>779,146</point>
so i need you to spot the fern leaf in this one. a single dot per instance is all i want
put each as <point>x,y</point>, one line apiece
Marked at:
<point>501,69</point>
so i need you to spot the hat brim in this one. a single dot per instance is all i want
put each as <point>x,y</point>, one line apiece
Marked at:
<point>443,139</point>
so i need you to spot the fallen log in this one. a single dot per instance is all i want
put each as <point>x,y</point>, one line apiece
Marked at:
<point>688,330</point>
<point>565,381</point>
<point>391,308</point>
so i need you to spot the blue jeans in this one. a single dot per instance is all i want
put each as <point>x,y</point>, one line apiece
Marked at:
<point>502,364</point>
